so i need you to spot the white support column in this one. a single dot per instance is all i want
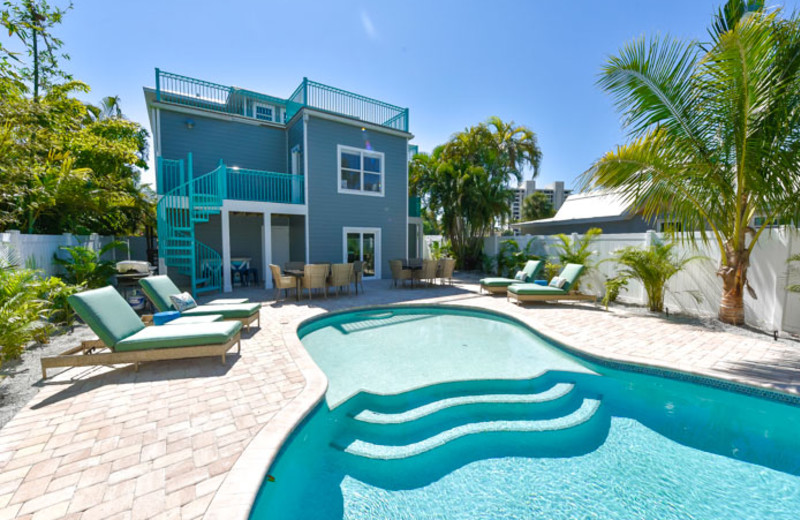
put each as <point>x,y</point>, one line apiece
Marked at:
<point>267,250</point>
<point>226,251</point>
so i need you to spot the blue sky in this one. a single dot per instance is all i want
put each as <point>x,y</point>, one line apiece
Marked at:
<point>453,63</point>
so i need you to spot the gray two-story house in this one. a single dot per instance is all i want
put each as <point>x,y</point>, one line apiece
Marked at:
<point>247,179</point>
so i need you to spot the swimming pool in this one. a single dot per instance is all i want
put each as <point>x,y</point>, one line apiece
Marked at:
<point>438,412</point>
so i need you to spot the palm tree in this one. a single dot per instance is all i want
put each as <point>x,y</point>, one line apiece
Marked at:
<point>465,182</point>
<point>536,206</point>
<point>715,135</point>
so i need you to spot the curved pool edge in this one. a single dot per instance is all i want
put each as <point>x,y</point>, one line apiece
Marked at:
<point>235,498</point>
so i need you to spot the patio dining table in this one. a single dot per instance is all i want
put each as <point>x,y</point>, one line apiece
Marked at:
<point>411,267</point>
<point>298,280</point>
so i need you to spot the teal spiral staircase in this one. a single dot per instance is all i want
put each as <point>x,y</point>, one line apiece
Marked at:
<point>186,203</point>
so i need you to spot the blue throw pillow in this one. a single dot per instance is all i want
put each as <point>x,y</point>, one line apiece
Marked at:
<point>183,301</point>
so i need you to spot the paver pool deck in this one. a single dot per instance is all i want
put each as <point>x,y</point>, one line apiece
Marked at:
<point>168,441</point>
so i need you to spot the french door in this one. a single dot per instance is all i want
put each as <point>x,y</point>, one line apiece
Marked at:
<point>363,244</point>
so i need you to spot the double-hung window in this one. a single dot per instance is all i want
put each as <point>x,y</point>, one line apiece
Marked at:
<point>360,171</point>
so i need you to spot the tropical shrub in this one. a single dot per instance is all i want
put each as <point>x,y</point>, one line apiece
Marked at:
<point>22,312</point>
<point>511,258</point>
<point>613,287</point>
<point>440,249</point>
<point>653,267</point>
<point>551,270</point>
<point>85,266</point>
<point>713,134</point>
<point>795,287</point>
<point>577,251</point>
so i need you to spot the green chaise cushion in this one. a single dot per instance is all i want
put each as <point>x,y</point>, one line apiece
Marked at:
<point>532,288</point>
<point>107,314</point>
<point>158,289</point>
<point>571,272</point>
<point>531,271</point>
<point>498,282</point>
<point>243,310</point>
<point>174,336</point>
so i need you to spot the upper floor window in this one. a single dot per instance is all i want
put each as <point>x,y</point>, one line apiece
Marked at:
<point>269,113</point>
<point>360,171</point>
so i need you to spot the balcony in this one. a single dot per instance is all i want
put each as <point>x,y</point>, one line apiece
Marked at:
<point>195,93</point>
<point>236,183</point>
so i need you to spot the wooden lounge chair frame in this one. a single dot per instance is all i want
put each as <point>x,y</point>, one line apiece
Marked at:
<point>85,355</point>
<point>522,298</point>
<point>495,289</point>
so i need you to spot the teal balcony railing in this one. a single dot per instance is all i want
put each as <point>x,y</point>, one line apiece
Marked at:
<point>414,207</point>
<point>195,93</point>
<point>237,184</point>
<point>261,186</point>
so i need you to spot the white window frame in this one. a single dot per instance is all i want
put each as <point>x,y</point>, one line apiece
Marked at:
<point>361,231</point>
<point>362,152</point>
<point>265,105</point>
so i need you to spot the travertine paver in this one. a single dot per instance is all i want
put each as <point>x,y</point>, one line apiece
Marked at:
<point>103,442</point>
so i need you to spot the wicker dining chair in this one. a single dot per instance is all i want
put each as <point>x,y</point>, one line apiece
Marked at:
<point>398,273</point>
<point>315,276</point>
<point>448,266</point>
<point>282,282</point>
<point>358,275</point>
<point>340,277</point>
<point>428,271</point>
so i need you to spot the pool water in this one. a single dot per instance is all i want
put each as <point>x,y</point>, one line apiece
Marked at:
<point>458,414</point>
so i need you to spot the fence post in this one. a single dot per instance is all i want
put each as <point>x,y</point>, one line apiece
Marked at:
<point>158,84</point>
<point>649,238</point>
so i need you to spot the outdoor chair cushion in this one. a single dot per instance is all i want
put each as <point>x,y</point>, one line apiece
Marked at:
<point>243,310</point>
<point>183,301</point>
<point>520,276</point>
<point>193,335</point>
<point>159,289</point>
<point>531,270</point>
<point>498,282</point>
<point>107,314</point>
<point>571,272</point>
<point>532,288</point>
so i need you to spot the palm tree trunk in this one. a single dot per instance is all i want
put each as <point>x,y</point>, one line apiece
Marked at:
<point>734,278</point>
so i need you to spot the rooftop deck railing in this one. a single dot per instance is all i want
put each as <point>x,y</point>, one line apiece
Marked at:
<point>195,93</point>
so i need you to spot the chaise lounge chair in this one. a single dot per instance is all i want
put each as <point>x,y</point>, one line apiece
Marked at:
<point>128,340</point>
<point>159,289</point>
<point>500,285</point>
<point>530,292</point>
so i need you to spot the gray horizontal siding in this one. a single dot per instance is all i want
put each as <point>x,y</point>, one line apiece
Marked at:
<point>209,140</point>
<point>329,211</point>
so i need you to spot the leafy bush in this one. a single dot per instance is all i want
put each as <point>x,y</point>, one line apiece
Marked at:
<point>577,251</point>
<point>551,270</point>
<point>511,258</point>
<point>613,287</point>
<point>440,249</point>
<point>795,287</point>
<point>54,291</point>
<point>653,267</point>
<point>488,263</point>
<point>22,312</point>
<point>85,266</point>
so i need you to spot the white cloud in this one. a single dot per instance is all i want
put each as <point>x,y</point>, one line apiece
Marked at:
<point>369,28</point>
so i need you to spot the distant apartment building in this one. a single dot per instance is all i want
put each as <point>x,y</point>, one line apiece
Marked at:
<point>555,192</point>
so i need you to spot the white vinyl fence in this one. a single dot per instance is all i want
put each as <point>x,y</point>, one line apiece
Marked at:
<point>697,289</point>
<point>36,251</point>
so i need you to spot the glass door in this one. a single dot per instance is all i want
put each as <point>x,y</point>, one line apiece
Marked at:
<point>363,244</point>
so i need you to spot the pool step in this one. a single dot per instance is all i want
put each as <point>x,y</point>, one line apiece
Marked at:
<point>454,403</point>
<point>368,450</point>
